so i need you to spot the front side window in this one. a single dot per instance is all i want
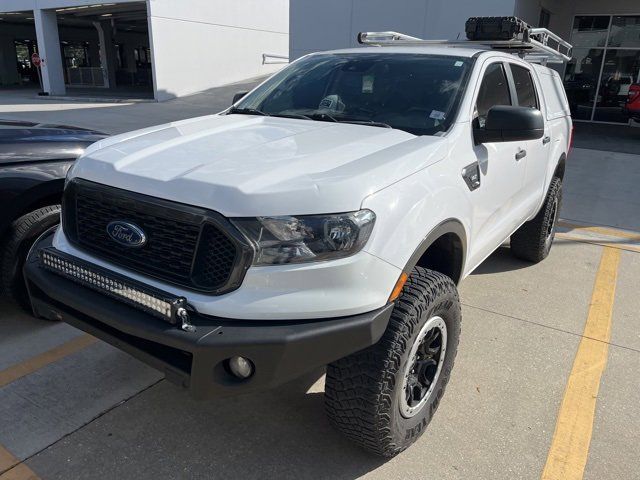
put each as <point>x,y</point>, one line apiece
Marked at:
<point>525,90</point>
<point>416,93</point>
<point>494,90</point>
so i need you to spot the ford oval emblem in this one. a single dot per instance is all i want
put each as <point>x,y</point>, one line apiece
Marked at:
<point>126,234</point>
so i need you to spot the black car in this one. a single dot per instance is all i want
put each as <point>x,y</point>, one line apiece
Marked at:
<point>34,159</point>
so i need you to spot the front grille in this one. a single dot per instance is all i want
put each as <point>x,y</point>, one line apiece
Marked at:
<point>185,245</point>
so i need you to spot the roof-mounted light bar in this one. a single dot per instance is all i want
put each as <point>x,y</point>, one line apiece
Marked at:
<point>533,44</point>
<point>379,38</point>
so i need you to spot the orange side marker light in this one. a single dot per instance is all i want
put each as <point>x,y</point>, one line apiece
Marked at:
<point>398,288</point>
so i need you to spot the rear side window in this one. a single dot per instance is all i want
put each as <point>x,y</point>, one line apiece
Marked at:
<point>554,96</point>
<point>494,90</point>
<point>525,90</point>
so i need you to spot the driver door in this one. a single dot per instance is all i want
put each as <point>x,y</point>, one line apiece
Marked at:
<point>498,201</point>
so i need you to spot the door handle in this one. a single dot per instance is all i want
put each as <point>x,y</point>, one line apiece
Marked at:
<point>521,154</point>
<point>546,140</point>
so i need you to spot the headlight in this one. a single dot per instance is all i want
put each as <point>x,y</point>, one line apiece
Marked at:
<point>307,238</point>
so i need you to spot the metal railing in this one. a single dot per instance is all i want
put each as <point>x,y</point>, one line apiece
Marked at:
<point>85,76</point>
<point>535,45</point>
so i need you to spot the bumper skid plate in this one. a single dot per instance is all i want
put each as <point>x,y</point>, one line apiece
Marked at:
<point>147,323</point>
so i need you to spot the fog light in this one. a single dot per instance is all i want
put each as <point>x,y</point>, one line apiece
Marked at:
<point>241,367</point>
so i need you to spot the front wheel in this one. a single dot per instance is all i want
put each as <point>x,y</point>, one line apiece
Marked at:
<point>384,397</point>
<point>533,240</point>
<point>22,234</point>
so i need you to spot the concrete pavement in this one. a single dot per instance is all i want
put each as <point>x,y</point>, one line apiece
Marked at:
<point>116,117</point>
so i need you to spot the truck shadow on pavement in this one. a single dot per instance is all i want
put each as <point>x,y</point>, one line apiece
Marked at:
<point>500,261</point>
<point>163,433</point>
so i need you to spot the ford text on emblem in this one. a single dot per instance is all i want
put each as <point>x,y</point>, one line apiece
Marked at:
<point>126,234</point>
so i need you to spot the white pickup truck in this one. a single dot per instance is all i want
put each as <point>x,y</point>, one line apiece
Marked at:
<point>325,218</point>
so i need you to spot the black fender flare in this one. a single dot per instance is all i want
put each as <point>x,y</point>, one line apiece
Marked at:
<point>450,225</point>
<point>561,165</point>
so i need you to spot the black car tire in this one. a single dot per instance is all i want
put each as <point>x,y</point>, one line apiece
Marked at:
<point>365,392</point>
<point>22,233</point>
<point>533,240</point>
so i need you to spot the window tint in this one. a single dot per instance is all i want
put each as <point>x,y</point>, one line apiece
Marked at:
<point>494,90</point>
<point>525,89</point>
<point>417,93</point>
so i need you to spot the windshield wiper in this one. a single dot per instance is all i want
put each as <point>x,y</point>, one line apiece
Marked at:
<point>370,123</point>
<point>247,111</point>
<point>328,118</point>
<point>292,115</point>
<point>323,117</point>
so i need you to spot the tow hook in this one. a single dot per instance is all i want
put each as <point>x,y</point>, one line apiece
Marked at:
<point>183,315</point>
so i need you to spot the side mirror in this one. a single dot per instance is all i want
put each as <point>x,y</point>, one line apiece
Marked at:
<point>238,95</point>
<point>505,123</point>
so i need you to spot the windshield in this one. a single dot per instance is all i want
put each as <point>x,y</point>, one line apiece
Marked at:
<point>416,93</point>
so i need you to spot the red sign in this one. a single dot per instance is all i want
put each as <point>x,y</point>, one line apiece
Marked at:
<point>36,60</point>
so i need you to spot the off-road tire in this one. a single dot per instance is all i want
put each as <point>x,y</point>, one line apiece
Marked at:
<point>21,235</point>
<point>362,390</point>
<point>533,240</point>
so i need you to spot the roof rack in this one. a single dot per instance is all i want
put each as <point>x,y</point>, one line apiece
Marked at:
<point>532,44</point>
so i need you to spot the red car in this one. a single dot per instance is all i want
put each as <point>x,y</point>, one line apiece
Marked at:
<point>632,105</point>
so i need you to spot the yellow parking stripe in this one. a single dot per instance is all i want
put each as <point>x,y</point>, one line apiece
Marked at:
<point>595,241</point>
<point>12,469</point>
<point>19,472</point>
<point>570,444</point>
<point>7,460</point>
<point>15,372</point>
<point>610,232</point>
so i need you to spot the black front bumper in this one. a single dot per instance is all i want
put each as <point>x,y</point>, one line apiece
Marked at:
<point>280,350</point>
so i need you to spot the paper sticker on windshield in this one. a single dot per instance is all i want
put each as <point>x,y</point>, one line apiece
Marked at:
<point>367,84</point>
<point>437,115</point>
<point>458,64</point>
<point>332,103</point>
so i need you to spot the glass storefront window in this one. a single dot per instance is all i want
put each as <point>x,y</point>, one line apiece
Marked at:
<point>590,31</point>
<point>625,32</point>
<point>621,70</point>
<point>605,63</point>
<point>581,81</point>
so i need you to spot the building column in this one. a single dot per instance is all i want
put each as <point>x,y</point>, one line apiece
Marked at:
<point>49,50</point>
<point>107,52</point>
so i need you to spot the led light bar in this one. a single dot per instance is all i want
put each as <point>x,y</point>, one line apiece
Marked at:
<point>150,300</point>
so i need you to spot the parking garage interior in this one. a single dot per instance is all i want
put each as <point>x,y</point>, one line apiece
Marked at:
<point>105,50</point>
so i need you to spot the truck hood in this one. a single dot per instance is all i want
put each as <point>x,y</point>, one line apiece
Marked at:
<point>26,142</point>
<point>241,165</point>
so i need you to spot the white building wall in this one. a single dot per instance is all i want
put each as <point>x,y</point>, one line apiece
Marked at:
<point>328,24</point>
<point>199,44</point>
